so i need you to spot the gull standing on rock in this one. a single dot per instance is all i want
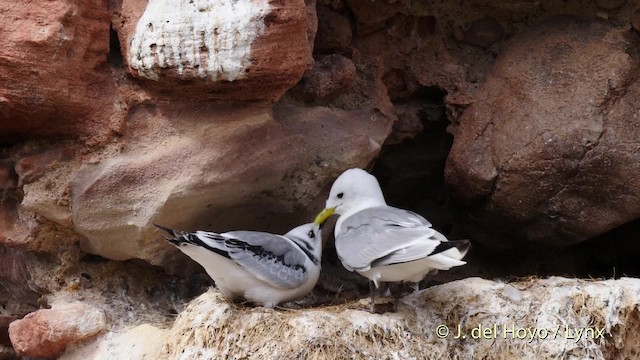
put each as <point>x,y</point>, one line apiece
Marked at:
<point>265,268</point>
<point>384,243</point>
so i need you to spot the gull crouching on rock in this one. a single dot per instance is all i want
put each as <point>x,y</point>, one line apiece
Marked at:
<point>265,268</point>
<point>384,243</point>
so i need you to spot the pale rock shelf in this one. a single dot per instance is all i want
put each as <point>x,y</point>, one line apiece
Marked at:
<point>554,318</point>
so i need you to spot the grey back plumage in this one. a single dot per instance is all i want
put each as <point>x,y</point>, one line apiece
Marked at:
<point>384,235</point>
<point>269,257</point>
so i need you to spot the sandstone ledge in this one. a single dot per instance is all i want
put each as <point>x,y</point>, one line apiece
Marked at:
<point>212,328</point>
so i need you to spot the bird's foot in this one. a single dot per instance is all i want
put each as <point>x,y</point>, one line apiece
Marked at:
<point>383,308</point>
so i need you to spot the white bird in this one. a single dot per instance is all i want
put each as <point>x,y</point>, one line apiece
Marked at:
<point>384,243</point>
<point>266,268</point>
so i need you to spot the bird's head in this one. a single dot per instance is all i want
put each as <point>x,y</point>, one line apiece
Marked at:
<point>308,237</point>
<point>352,191</point>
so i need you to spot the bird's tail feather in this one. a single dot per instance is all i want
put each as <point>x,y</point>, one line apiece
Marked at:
<point>443,262</point>
<point>449,254</point>
<point>463,247</point>
<point>196,239</point>
<point>176,237</point>
<point>168,230</point>
<point>445,248</point>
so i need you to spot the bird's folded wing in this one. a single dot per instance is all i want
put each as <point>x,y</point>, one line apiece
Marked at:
<point>420,249</point>
<point>269,257</point>
<point>384,235</point>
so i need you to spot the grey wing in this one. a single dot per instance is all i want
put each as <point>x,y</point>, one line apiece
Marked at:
<point>384,235</point>
<point>269,257</point>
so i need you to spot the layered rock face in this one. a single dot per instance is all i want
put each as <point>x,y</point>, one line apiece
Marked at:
<point>218,167</point>
<point>548,146</point>
<point>239,114</point>
<point>173,149</point>
<point>53,78</point>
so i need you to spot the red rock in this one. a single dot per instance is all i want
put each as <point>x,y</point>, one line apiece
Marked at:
<point>18,226</point>
<point>52,75</point>
<point>8,179</point>
<point>5,320</point>
<point>7,353</point>
<point>8,176</point>
<point>46,333</point>
<point>411,49</point>
<point>334,32</point>
<point>18,293</point>
<point>408,125</point>
<point>371,15</point>
<point>635,19</point>
<point>15,275</point>
<point>330,75</point>
<point>610,4</point>
<point>337,5</point>
<point>312,21</point>
<point>14,230</point>
<point>483,32</point>
<point>246,50</point>
<point>549,150</point>
<point>32,166</point>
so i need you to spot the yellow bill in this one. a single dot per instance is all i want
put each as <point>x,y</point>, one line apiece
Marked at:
<point>323,216</point>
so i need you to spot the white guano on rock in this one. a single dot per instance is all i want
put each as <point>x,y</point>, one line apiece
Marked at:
<point>471,318</point>
<point>212,38</point>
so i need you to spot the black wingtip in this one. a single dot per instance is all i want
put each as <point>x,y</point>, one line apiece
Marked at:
<point>174,239</point>
<point>463,246</point>
<point>168,230</point>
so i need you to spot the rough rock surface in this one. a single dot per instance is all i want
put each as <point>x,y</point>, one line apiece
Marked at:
<point>329,76</point>
<point>46,333</point>
<point>334,32</point>
<point>97,144</point>
<point>53,78</point>
<point>249,168</point>
<point>411,48</point>
<point>233,50</point>
<point>16,284</point>
<point>141,342</point>
<point>107,193</point>
<point>532,319</point>
<point>5,320</point>
<point>549,145</point>
<point>7,352</point>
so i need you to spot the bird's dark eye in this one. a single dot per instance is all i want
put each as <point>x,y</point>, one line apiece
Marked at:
<point>311,234</point>
<point>340,195</point>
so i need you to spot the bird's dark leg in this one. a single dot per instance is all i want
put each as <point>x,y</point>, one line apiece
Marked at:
<point>372,309</point>
<point>396,299</point>
<point>396,292</point>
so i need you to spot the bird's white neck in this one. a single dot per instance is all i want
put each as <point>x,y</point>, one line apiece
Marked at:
<point>310,247</point>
